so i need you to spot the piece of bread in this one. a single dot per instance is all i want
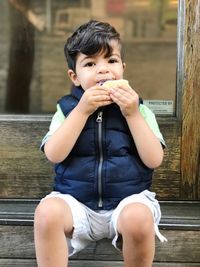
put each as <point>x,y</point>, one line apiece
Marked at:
<point>112,83</point>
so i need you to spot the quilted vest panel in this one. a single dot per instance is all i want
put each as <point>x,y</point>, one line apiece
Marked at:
<point>103,166</point>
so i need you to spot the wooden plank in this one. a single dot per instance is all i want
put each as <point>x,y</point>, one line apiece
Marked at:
<point>180,209</point>
<point>177,215</point>
<point>121,264</point>
<point>190,150</point>
<point>167,178</point>
<point>182,246</point>
<point>25,172</point>
<point>32,263</point>
<point>18,263</point>
<point>173,250</point>
<point>16,242</point>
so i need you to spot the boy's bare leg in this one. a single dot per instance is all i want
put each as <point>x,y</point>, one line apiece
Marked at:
<point>53,221</point>
<point>136,226</point>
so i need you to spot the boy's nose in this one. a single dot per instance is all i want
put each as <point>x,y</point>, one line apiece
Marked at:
<point>103,68</point>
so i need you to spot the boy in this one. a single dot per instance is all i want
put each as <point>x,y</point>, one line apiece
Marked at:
<point>105,144</point>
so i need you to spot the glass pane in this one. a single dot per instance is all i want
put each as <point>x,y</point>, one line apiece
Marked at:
<point>33,71</point>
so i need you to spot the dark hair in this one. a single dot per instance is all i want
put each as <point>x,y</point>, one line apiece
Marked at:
<point>90,38</point>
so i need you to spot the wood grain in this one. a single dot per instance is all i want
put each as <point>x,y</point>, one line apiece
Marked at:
<point>24,170</point>
<point>190,149</point>
<point>17,242</point>
<point>32,263</point>
<point>26,173</point>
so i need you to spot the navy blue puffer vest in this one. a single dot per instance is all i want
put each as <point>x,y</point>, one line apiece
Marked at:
<point>103,166</point>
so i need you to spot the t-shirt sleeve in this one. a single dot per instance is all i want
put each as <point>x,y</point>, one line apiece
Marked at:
<point>150,118</point>
<point>56,122</point>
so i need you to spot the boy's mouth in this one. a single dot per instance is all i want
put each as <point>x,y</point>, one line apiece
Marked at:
<point>103,81</point>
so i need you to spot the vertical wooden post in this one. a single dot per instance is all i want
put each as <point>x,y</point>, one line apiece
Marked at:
<point>190,148</point>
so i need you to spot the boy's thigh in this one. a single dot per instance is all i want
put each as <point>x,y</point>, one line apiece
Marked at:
<point>88,225</point>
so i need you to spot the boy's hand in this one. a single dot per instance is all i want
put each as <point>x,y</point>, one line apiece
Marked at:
<point>126,98</point>
<point>93,98</point>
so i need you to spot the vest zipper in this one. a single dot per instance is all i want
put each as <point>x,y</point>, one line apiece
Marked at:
<point>99,121</point>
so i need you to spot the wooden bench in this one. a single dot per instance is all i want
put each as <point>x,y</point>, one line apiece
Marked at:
<point>26,176</point>
<point>180,224</point>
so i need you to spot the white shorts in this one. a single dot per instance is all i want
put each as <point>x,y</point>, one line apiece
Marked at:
<point>92,225</point>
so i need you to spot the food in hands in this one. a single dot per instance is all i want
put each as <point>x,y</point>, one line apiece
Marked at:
<point>113,83</point>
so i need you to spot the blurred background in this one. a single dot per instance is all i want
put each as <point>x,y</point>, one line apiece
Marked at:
<point>33,71</point>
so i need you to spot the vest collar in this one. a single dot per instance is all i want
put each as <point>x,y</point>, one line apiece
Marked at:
<point>77,92</point>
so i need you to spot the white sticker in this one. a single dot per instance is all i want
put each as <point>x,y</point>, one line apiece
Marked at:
<point>163,107</point>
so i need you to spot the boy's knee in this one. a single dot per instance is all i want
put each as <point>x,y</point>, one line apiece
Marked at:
<point>136,220</point>
<point>51,213</point>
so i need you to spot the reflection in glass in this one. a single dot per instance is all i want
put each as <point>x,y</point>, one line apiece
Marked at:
<point>32,66</point>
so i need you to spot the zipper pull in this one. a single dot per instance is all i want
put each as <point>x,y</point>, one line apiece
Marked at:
<point>100,204</point>
<point>99,117</point>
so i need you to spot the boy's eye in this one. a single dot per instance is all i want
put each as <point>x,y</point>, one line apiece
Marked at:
<point>113,60</point>
<point>89,64</point>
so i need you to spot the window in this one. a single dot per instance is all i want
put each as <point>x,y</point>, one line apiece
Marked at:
<point>33,68</point>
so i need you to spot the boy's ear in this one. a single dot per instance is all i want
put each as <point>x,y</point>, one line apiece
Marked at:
<point>72,75</point>
<point>124,65</point>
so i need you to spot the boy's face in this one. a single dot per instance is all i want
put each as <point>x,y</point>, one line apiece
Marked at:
<point>91,70</point>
